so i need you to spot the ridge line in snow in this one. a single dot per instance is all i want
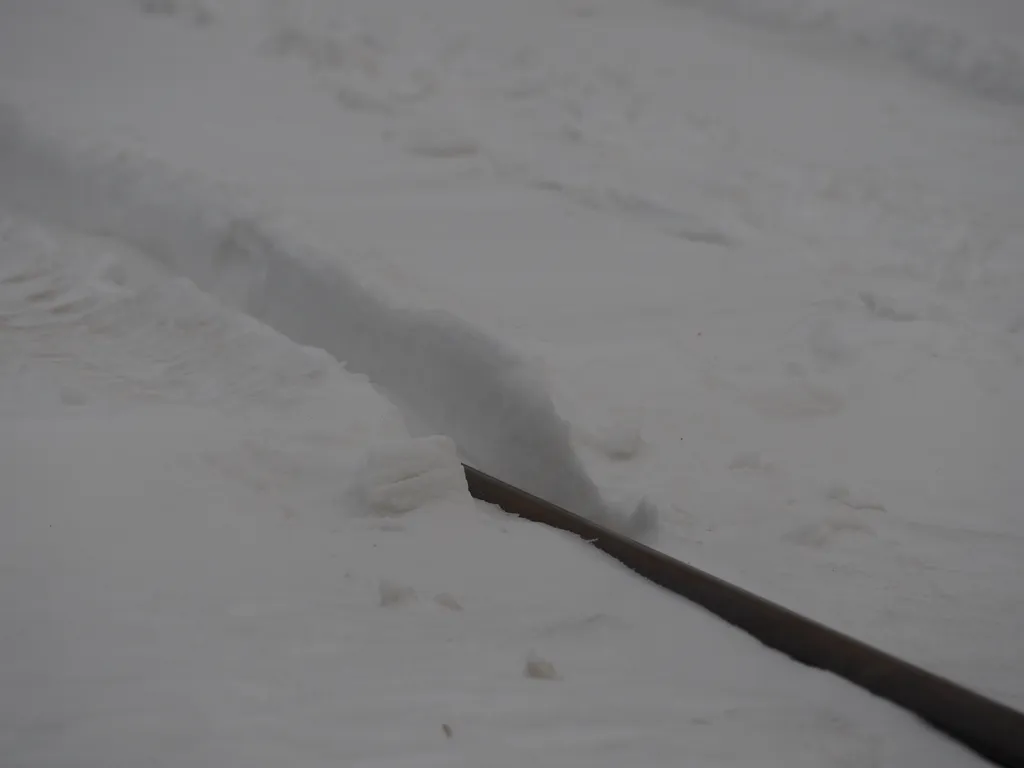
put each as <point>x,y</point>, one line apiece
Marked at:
<point>453,378</point>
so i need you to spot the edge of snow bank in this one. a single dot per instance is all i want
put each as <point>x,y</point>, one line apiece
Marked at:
<point>982,55</point>
<point>452,377</point>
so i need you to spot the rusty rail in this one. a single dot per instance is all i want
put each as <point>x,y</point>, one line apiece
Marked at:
<point>989,728</point>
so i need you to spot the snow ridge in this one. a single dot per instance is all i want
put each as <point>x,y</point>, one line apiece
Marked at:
<point>451,377</point>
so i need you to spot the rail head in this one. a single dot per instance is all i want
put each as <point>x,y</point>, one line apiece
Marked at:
<point>989,728</point>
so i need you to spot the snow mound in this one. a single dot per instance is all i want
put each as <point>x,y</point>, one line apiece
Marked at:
<point>452,378</point>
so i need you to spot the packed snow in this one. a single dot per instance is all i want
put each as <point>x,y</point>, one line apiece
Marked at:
<point>270,270</point>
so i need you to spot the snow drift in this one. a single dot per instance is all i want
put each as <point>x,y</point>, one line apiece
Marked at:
<point>452,378</point>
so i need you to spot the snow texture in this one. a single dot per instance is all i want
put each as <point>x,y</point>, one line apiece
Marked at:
<point>975,46</point>
<point>402,476</point>
<point>269,269</point>
<point>454,378</point>
<point>187,583</point>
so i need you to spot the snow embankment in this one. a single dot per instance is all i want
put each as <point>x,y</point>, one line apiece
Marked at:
<point>451,378</point>
<point>978,46</point>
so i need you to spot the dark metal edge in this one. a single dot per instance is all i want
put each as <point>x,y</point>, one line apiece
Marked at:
<point>989,728</point>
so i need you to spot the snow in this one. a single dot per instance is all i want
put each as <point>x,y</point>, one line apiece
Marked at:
<point>404,475</point>
<point>192,575</point>
<point>270,269</point>
<point>972,45</point>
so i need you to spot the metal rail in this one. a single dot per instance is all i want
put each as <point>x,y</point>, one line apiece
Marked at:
<point>989,728</point>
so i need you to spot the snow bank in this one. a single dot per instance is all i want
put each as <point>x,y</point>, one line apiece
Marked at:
<point>974,45</point>
<point>453,378</point>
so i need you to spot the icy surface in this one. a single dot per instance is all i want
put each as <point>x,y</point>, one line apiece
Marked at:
<point>761,262</point>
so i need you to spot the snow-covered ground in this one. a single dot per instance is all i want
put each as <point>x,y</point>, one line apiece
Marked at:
<point>219,548</point>
<point>767,262</point>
